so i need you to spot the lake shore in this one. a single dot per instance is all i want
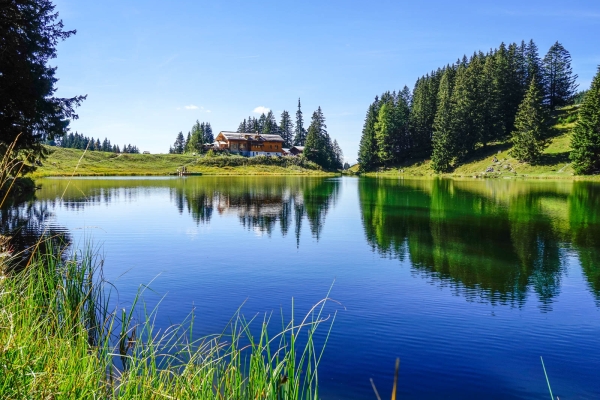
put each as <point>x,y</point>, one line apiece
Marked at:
<point>73,162</point>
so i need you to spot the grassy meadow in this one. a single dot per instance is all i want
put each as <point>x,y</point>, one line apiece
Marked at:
<point>67,162</point>
<point>555,163</point>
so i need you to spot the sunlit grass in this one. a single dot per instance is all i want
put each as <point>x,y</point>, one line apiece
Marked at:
<point>60,339</point>
<point>65,162</point>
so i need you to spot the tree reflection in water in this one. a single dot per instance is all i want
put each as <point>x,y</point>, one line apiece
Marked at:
<point>496,241</point>
<point>26,224</point>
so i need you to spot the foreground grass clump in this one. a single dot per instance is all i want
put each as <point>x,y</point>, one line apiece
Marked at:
<point>68,162</point>
<point>58,339</point>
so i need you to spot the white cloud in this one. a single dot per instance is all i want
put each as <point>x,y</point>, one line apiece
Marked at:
<point>191,107</point>
<point>261,110</point>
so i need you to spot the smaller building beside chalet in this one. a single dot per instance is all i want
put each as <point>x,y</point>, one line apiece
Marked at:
<point>250,144</point>
<point>297,150</point>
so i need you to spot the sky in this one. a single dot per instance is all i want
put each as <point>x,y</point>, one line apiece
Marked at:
<point>152,68</point>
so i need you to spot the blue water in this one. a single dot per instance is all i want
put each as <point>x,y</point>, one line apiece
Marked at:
<point>469,283</point>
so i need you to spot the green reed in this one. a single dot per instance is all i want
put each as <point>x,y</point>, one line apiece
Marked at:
<point>60,339</point>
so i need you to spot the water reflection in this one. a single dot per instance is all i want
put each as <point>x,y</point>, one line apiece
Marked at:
<point>495,241</point>
<point>260,203</point>
<point>25,223</point>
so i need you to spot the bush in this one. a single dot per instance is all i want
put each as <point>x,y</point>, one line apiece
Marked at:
<point>239,161</point>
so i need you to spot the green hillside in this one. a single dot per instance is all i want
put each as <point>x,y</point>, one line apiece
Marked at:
<point>67,162</point>
<point>555,162</point>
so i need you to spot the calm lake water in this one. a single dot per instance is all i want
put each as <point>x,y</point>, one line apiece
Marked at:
<point>468,282</point>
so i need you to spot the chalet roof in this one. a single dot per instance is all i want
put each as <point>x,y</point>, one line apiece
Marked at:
<point>272,138</point>
<point>301,148</point>
<point>254,136</point>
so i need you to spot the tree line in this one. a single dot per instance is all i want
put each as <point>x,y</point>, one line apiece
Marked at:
<point>292,133</point>
<point>79,141</point>
<point>197,137</point>
<point>508,93</point>
<point>319,147</point>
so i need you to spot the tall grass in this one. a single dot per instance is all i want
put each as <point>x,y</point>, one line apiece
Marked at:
<point>60,339</point>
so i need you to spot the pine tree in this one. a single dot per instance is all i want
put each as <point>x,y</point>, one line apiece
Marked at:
<point>367,151</point>
<point>384,131</point>
<point>531,126</point>
<point>318,146</point>
<point>533,66</point>
<point>339,156</point>
<point>465,120</point>
<point>269,125</point>
<point>242,126</point>
<point>196,140</point>
<point>299,132</point>
<point>443,134</point>
<point>208,133</point>
<point>187,141</point>
<point>558,77</point>
<point>286,127</point>
<point>585,141</point>
<point>178,146</point>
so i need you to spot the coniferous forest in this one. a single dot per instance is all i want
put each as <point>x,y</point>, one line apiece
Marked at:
<point>509,94</point>
<point>81,142</point>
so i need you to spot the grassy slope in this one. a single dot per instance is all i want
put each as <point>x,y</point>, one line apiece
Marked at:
<point>63,162</point>
<point>555,162</point>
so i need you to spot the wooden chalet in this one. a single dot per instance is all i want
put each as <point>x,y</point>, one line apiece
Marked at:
<point>250,144</point>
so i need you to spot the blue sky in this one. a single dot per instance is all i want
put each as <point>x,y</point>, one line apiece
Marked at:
<point>152,68</point>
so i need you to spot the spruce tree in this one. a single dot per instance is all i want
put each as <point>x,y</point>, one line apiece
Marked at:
<point>286,127</point>
<point>533,65</point>
<point>196,141</point>
<point>269,125</point>
<point>339,156</point>
<point>384,131</point>
<point>242,126</point>
<point>585,141</point>
<point>558,77</point>
<point>367,150</point>
<point>178,146</point>
<point>531,126</point>
<point>443,134</point>
<point>187,142</point>
<point>208,133</point>
<point>318,146</point>
<point>299,132</point>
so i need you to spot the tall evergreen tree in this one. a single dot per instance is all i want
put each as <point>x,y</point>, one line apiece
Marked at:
<point>384,133</point>
<point>242,126</point>
<point>286,127</point>
<point>585,141</point>
<point>533,66</point>
<point>269,125</point>
<point>208,133</point>
<point>531,126</point>
<point>339,156</point>
<point>559,77</point>
<point>318,146</point>
<point>29,111</point>
<point>443,133</point>
<point>187,141</point>
<point>299,132</point>
<point>367,150</point>
<point>178,146</point>
<point>196,141</point>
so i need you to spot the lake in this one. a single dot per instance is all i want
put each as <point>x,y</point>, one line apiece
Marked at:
<point>468,282</point>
